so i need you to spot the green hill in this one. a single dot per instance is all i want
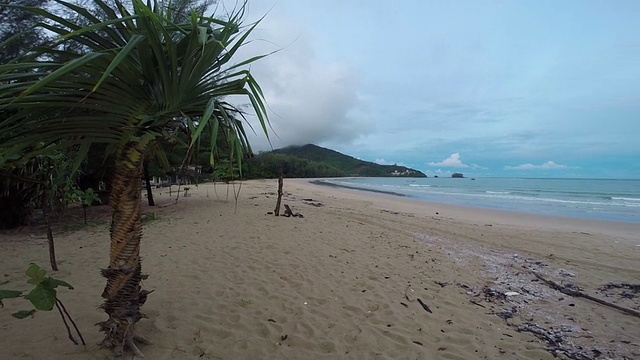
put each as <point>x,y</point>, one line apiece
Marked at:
<point>315,161</point>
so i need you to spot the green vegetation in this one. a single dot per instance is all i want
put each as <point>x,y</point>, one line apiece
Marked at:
<point>268,165</point>
<point>152,216</point>
<point>315,161</point>
<point>84,197</point>
<point>43,297</point>
<point>18,28</point>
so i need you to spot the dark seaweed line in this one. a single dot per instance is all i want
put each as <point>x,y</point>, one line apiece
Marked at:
<point>320,182</point>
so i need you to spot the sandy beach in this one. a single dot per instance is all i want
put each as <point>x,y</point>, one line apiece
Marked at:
<point>360,276</point>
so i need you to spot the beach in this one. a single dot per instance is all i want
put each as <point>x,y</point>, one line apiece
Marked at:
<point>360,276</point>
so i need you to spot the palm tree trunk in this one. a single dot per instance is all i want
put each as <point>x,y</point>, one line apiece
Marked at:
<point>147,180</point>
<point>123,293</point>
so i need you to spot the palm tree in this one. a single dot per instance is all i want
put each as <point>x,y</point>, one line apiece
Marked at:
<point>141,74</point>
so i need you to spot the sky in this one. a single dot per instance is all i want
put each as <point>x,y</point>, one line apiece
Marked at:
<point>486,88</point>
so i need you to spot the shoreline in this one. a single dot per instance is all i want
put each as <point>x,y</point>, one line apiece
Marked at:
<point>496,209</point>
<point>443,219</point>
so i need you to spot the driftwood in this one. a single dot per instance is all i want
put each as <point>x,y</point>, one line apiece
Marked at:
<point>424,306</point>
<point>277,210</point>
<point>575,293</point>
<point>288,212</point>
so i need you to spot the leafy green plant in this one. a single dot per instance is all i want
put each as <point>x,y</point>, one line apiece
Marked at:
<point>43,297</point>
<point>147,218</point>
<point>86,198</point>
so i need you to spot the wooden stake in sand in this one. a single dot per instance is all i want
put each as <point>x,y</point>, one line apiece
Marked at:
<point>277,210</point>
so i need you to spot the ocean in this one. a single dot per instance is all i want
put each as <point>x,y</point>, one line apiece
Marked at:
<point>602,199</point>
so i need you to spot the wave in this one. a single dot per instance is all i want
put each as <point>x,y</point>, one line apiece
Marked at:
<point>595,202</point>
<point>530,198</point>
<point>623,198</point>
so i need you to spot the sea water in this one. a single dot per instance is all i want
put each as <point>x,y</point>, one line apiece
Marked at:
<point>603,199</point>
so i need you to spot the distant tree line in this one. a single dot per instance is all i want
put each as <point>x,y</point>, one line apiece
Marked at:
<point>315,161</point>
<point>268,165</point>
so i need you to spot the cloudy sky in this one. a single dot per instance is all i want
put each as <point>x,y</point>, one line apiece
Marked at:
<point>487,88</point>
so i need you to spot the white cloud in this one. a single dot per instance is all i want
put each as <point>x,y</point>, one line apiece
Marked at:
<point>549,165</point>
<point>310,99</point>
<point>452,161</point>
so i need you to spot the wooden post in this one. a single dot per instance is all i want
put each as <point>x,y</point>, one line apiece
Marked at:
<point>277,210</point>
<point>46,207</point>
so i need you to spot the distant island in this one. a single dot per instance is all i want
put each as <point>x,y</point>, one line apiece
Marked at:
<point>315,161</point>
<point>457,175</point>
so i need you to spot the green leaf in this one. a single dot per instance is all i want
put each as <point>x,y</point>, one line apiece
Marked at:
<point>42,298</point>
<point>35,281</point>
<point>35,272</point>
<point>62,71</point>
<point>8,294</point>
<point>204,120</point>
<point>23,313</point>
<point>133,42</point>
<point>54,283</point>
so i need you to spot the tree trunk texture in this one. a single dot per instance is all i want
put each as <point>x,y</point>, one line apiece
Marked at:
<point>123,293</point>
<point>147,180</point>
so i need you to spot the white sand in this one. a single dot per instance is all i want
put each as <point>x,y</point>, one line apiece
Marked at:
<point>232,282</point>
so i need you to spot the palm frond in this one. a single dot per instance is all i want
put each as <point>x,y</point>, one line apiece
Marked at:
<point>141,71</point>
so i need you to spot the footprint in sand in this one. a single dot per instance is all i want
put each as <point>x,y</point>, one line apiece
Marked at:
<point>352,336</point>
<point>234,318</point>
<point>398,339</point>
<point>353,310</point>
<point>263,291</point>
<point>263,330</point>
<point>241,345</point>
<point>327,347</point>
<point>221,333</point>
<point>304,330</point>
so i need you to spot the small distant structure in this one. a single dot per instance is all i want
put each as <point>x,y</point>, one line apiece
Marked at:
<point>403,173</point>
<point>457,175</point>
<point>435,176</point>
<point>176,176</point>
